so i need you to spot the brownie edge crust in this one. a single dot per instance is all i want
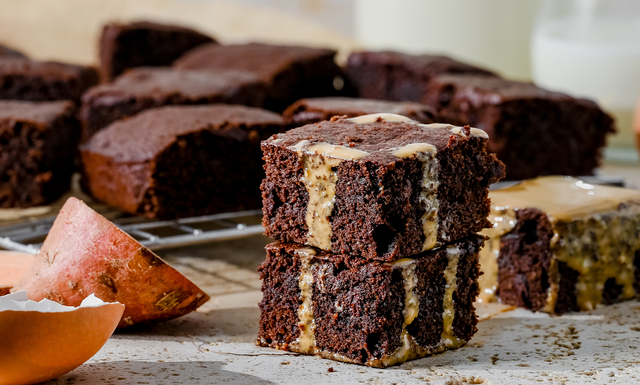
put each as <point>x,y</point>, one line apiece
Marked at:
<point>368,312</point>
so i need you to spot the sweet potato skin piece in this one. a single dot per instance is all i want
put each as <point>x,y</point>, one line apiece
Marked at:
<point>85,253</point>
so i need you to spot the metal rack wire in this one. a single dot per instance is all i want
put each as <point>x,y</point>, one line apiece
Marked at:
<point>28,236</point>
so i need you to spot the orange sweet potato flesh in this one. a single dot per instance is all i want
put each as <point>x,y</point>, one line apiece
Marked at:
<point>85,253</point>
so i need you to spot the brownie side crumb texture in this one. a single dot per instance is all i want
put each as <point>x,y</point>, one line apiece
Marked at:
<point>22,79</point>
<point>290,72</point>
<point>143,88</point>
<point>389,75</point>
<point>377,212</point>
<point>38,145</point>
<point>532,130</point>
<point>144,43</point>
<point>180,161</point>
<point>368,312</point>
<point>312,110</point>
<point>524,262</point>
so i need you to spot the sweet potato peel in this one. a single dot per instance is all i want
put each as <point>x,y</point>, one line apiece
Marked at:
<point>85,253</point>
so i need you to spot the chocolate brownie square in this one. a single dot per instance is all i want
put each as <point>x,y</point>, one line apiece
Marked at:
<point>368,312</point>
<point>312,110</point>
<point>563,244</point>
<point>380,186</point>
<point>143,88</point>
<point>290,72</point>
<point>38,145</point>
<point>23,79</point>
<point>180,161</point>
<point>144,44</point>
<point>532,130</point>
<point>390,75</point>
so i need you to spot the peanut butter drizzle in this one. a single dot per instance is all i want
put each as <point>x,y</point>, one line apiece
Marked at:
<point>449,338</point>
<point>426,153</point>
<point>307,325</point>
<point>594,232</point>
<point>320,162</point>
<point>475,132</point>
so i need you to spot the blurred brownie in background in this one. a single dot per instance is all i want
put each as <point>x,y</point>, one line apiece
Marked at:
<point>143,88</point>
<point>312,110</point>
<point>144,44</point>
<point>389,75</point>
<point>180,161</point>
<point>6,52</point>
<point>38,144</point>
<point>532,130</point>
<point>23,79</point>
<point>290,72</point>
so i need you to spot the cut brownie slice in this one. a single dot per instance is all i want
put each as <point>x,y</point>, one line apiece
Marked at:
<point>6,52</point>
<point>143,88</point>
<point>180,161</point>
<point>38,145</point>
<point>378,186</point>
<point>392,75</point>
<point>564,245</point>
<point>290,72</point>
<point>24,79</point>
<point>368,312</point>
<point>533,131</point>
<point>314,110</point>
<point>144,44</point>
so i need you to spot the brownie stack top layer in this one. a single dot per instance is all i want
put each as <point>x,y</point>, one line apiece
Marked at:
<point>266,61</point>
<point>316,109</point>
<point>40,112</point>
<point>144,43</point>
<point>377,140</point>
<point>143,136</point>
<point>165,82</point>
<point>591,228</point>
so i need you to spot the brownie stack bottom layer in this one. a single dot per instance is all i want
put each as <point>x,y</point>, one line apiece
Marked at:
<point>369,312</point>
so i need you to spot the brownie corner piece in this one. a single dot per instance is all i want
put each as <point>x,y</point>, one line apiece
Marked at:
<point>143,44</point>
<point>180,161</point>
<point>368,312</point>
<point>38,146</point>
<point>379,189</point>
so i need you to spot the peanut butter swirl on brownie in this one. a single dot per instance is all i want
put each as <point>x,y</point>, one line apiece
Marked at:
<point>563,244</point>
<point>373,185</point>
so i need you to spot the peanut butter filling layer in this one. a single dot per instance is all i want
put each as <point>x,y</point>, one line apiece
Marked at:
<point>595,233</point>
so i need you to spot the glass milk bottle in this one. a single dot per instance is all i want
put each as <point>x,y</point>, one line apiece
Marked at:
<point>591,49</point>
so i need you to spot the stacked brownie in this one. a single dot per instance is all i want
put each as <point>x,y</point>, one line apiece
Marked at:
<point>377,218</point>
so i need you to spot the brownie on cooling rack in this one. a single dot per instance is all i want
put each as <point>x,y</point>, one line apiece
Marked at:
<point>144,44</point>
<point>369,312</point>
<point>380,187</point>
<point>180,161</point>
<point>143,88</point>
<point>312,110</point>
<point>290,72</point>
<point>38,145</point>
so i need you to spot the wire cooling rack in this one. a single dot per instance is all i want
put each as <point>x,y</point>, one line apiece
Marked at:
<point>27,237</point>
